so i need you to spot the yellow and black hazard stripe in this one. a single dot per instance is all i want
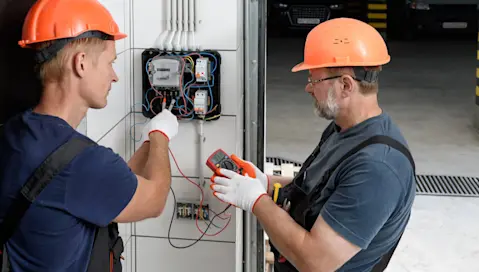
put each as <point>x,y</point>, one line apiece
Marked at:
<point>477,72</point>
<point>377,16</point>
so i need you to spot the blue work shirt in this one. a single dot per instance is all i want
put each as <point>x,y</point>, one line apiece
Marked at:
<point>368,199</point>
<point>57,231</point>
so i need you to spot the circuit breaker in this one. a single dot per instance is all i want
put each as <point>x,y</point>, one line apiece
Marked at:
<point>202,68</point>
<point>188,81</point>
<point>201,102</point>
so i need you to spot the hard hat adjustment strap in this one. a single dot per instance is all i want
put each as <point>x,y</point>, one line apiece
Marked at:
<point>369,76</point>
<point>51,51</point>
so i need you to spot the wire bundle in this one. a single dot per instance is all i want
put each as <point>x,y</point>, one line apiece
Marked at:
<point>186,107</point>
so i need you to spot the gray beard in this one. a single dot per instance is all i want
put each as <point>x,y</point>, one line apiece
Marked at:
<point>328,109</point>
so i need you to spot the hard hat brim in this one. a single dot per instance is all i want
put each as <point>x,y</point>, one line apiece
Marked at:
<point>119,36</point>
<point>303,66</point>
<point>28,43</point>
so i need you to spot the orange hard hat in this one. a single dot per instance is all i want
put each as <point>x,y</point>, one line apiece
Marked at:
<point>343,42</point>
<point>66,20</point>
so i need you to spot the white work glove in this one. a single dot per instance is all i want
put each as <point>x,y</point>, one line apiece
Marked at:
<point>250,168</point>
<point>164,122</point>
<point>240,191</point>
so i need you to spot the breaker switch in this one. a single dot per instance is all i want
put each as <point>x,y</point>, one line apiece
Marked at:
<point>201,102</point>
<point>202,68</point>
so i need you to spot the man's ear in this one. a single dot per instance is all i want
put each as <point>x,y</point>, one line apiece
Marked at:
<point>347,85</point>
<point>80,64</point>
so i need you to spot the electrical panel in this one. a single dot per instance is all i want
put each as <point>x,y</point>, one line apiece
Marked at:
<point>188,81</point>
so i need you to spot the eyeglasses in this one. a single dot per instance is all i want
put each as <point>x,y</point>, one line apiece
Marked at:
<point>312,82</point>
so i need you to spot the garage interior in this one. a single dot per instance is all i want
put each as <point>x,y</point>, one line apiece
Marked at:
<point>429,90</point>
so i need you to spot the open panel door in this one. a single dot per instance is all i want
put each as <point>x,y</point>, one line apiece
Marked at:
<point>255,21</point>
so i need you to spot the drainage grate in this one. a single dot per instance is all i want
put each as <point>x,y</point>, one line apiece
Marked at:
<point>278,161</point>
<point>447,185</point>
<point>426,184</point>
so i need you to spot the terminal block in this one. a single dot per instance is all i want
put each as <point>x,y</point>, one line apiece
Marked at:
<point>188,210</point>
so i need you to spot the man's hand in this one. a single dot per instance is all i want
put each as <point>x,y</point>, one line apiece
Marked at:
<point>164,122</point>
<point>240,191</point>
<point>250,167</point>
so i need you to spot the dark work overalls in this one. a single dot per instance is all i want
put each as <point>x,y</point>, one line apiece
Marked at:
<point>303,208</point>
<point>108,245</point>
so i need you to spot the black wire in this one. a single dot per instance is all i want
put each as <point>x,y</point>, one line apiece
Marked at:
<point>216,214</point>
<point>203,234</point>
<point>213,224</point>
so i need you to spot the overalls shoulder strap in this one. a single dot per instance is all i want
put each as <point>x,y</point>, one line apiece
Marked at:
<point>290,189</point>
<point>42,176</point>
<point>328,131</point>
<point>377,139</point>
<point>383,263</point>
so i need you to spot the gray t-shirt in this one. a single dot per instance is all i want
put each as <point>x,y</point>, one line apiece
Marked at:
<point>370,194</point>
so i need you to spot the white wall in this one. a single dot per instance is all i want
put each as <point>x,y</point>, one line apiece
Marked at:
<point>117,126</point>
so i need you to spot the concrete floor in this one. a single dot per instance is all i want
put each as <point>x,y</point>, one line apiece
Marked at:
<point>429,90</point>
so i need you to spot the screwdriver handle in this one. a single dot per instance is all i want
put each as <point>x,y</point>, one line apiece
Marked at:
<point>172,103</point>
<point>163,104</point>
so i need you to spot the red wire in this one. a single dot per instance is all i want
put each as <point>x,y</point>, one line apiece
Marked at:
<point>201,202</point>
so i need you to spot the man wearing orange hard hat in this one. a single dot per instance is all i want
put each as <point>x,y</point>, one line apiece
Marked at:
<point>62,194</point>
<point>349,205</point>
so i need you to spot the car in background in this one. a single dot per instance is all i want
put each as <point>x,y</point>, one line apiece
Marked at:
<point>303,15</point>
<point>440,16</point>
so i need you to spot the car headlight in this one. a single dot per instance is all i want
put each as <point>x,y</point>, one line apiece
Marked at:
<point>281,5</point>
<point>336,6</point>
<point>419,5</point>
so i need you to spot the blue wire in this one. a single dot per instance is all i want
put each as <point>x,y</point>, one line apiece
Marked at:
<point>147,108</point>
<point>148,105</point>
<point>146,66</point>
<point>131,129</point>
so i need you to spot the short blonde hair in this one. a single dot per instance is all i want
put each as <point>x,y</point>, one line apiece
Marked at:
<point>364,87</point>
<point>54,69</point>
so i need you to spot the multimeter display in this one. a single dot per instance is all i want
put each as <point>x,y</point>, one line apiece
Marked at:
<point>221,160</point>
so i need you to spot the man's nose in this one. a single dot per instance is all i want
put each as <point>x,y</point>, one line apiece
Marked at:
<point>309,88</point>
<point>115,77</point>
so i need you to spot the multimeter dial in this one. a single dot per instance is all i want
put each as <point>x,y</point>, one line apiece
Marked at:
<point>227,164</point>
<point>224,161</point>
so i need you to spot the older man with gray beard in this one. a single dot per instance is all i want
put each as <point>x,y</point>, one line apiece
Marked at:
<point>349,205</point>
